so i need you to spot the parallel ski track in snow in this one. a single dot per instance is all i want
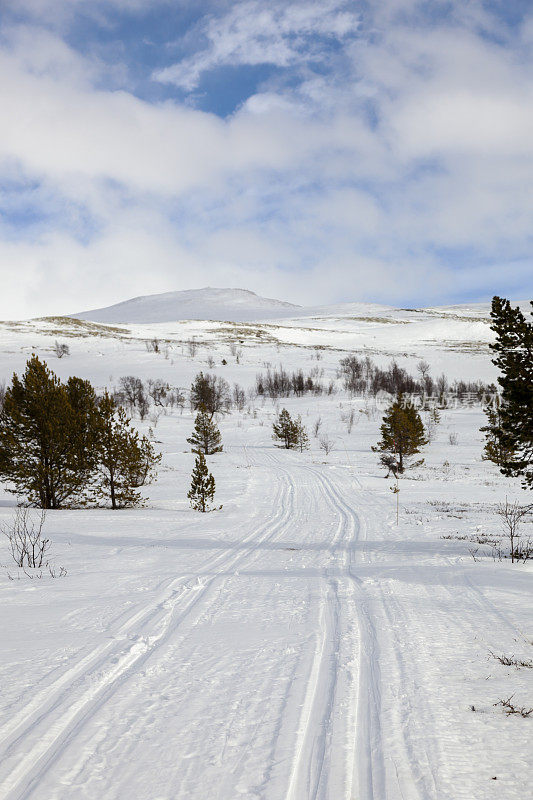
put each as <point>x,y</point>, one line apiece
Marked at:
<point>338,741</point>
<point>34,737</point>
<point>332,713</point>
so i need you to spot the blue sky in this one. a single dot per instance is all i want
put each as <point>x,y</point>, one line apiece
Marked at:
<point>313,151</point>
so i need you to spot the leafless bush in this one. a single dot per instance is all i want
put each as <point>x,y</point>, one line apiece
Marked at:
<point>210,361</point>
<point>348,418</point>
<point>453,438</point>
<point>326,444</point>
<point>510,708</point>
<point>211,393</point>
<point>134,395</point>
<point>27,545</point>
<point>154,417</point>
<point>239,397</point>
<point>511,661</point>
<point>158,390</point>
<point>512,514</point>
<point>153,345</point>
<point>192,347</point>
<point>61,349</point>
<point>175,398</point>
<point>316,426</point>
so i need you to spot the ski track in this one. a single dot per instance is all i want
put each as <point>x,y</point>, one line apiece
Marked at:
<point>52,719</point>
<point>325,731</point>
<point>329,741</point>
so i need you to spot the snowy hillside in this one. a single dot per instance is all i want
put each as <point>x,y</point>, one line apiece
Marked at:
<point>237,305</point>
<point>299,643</point>
<point>241,305</point>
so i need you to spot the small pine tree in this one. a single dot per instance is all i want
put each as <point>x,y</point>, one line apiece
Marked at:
<point>126,461</point>
<point>402,434</point>
<point>285,430</point>
<point>202,491</point>
<point>302,439</point>
<point>206,436</point>
<point>496,449</point>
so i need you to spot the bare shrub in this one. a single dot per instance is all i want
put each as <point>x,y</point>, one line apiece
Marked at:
<point>348,418</point>
<point>316,426</point>
<point>326,444</point>
<point>61,349</point>
<point>512,514</point>
<point>175,398</point>
<point>153,345</point>
<point>158,390</point>
<point>239,397</point>
<point>210,393</point>
<point>453,438</point>
<point>27,544</point>
<point>192,347</point>
<point>132,389</point>
<point>510,708</point>
<point>511,661</point>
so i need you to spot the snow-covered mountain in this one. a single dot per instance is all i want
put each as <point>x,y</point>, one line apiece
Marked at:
<point>237,305</point>
<point>242,305</point>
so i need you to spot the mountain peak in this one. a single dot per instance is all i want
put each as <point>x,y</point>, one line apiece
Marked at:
<point>237,305</point>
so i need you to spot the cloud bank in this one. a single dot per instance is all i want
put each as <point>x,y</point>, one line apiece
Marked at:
<point>369,152</point>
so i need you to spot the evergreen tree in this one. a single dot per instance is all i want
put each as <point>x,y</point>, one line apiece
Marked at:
<point>206,436</point>
<point>84,404</point>
<point>202,491</point>
<point>126,461</point>
<point>302,439</point>
<point>285,430</point>
<point>45,440</point>
<point>402,435</point>
<point>495,450</point>
<point>513,350</point>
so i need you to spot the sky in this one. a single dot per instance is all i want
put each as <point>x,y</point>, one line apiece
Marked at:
<point>313,151</point>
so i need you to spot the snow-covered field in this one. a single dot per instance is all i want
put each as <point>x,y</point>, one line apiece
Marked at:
<point>298,643</point>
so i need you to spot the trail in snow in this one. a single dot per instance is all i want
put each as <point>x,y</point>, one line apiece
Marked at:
<point>55,716</point>
<point>311,662</point>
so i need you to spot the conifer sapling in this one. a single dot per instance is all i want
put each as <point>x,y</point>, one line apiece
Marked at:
<point>202,491</point>
<point>206,436</point>
<point>402,435</point>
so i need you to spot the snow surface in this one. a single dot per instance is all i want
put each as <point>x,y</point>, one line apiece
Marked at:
<point>297,644</point>
<point>241,305</point>
<point>227,304</point>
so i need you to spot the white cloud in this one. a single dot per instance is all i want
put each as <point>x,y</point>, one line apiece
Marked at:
<point>253,32</point>
<point>346,183</point>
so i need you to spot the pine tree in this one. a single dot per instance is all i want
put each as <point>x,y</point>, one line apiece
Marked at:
<point>302,439</point>
<point>285,430</point>
<point>202,491</point>
<point>84,404</point>
<point>206,436</point>
<point>495,450</point>
<point>402,435</point>
<point>45,439</point>
<point>513,350</point>
<point>126,461</point>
